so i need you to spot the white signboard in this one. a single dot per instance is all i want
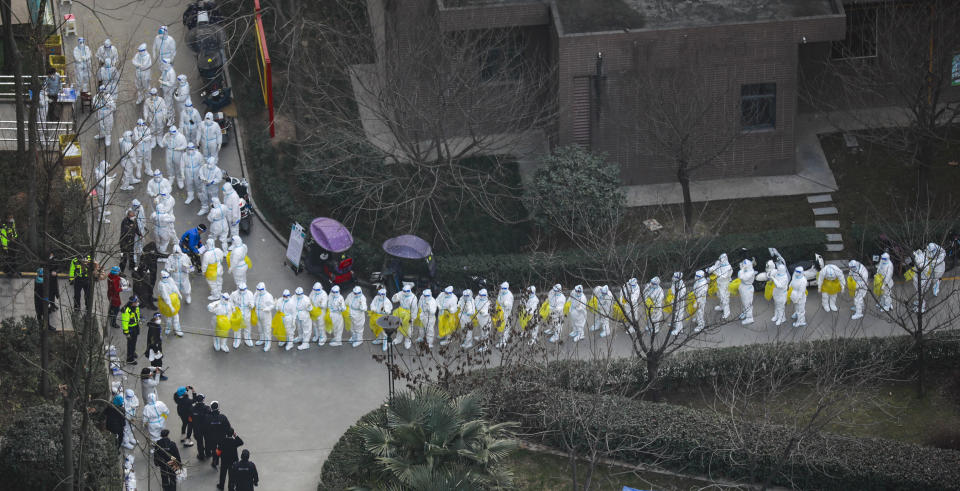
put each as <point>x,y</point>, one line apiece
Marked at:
<point>295,245</point>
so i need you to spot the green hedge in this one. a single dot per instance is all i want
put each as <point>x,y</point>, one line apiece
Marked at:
<point>348,459</point>
<point>699,442</point>
<point>568,267</point>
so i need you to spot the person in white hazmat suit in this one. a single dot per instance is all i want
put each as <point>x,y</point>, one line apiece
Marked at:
<point>174,144</point>
<point>103,184</point>
<point>181,94</point>
<point>144,64</point>
<point>288,307</point>
<point>210,177</point>
<point>318,297</point>
<point>482,306</point>
<point>221,306</point>
<point>557,301</point>
<point>861,277</point>
<point>238,260</point>
<point>106,106</point>
<point>885,272</point>
<point>218,221</point>
<point>155,114</point>
<point>381,305</point>
<point>922,279</point>
<point>211,265</point>
<point>180,267</point>
<point>505,305</point>
<point>158,184</point>
<point>336,305</point>
<point>168,83</point>
<point>530,306</point>
<point>164,290</point>
<point>190,164</point>
<point>724,272</point>
<point>165,201</point>
<point>578,313</point>
<point>143,147</point>
<point>128,162</point>
<point>155,415</point>
<point>447,303</point>
<point>653,304</point>
<point>746,275</point>
<point>209,136</point>
<point>141,219</point>
<point>633,310</point>
<point>468,310</point>
<point>129,473</point>
<point>130,406</point>
<point>231,204</point>
<point>107,51</point>
<point>303,321</point>
<point>427,308</point>
<point>263,304</point>
<point>109,77</point>
<point>601,318</point>
<point>82,54</point>
<point>163,222</point>
<point>679,303</point>
<point>189,122</point>
<point>164,46</point>
<point>798,295</point>
<point>242,298</point>
<point>781,283</point>
<point>829,279</point>
<point>357,303</point>
<point>700,287</point>
<point>405,299</point>
<point>937,261</point>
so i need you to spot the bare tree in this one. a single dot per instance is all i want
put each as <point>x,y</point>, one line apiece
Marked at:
<point>898,56</point>
<point>391,129</point>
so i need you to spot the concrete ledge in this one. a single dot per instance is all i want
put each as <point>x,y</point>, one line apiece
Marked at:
<point>738,188</point>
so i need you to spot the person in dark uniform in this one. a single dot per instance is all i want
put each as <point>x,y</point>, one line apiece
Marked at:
<point>45,303</point>
<point>115,420</point>
<point>198,421</point>
<point>130,321</point>
<point>80,279</point>
<point>167,458</point>
<point>129,233</point>
<point>227,454</point>
<point>215,431</point>
<point>185,398</point>
<point>243,474</point>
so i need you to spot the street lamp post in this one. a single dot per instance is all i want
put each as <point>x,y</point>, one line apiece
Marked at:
<point>389,324</point>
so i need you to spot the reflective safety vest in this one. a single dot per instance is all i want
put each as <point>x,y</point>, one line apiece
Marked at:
<point>8,231</point>
<point>77,270</point>
<point>131,318</point>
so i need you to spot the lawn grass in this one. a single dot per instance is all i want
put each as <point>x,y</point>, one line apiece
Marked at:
<point>894,413</point>
<point>536,471</point>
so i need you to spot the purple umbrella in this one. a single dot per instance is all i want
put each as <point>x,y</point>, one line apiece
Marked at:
<point>407,247</point>
<point>330,234</point>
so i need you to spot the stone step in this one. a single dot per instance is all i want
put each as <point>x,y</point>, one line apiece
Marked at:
<point>819,198</point>
<point>826,223</point>
<point>834,247</point>
<point>834,238</point>
<point>826,210</point>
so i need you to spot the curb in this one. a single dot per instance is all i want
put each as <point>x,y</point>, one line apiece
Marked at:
<point>238,140</point>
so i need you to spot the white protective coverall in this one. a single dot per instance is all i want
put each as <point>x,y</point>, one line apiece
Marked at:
<point>144,64</point>
<point>107,52</point>
<point>141,218</point>
<point>166,287</point>
<point>405,299</point>
<point>158,184</point>
<point>447,302</point>
<point>530,307</point>
<point>357,303</point>
<point>174,144</point>
<point>578,313</point>
<point>231,204</point>
<point>168,83</point>
<point>190,164</point>
<point>288,307</point>
<point>221,306</point>
<point>468,310</point>
<point>109,77</point>
<point>700,287</point>
<point>798,295</point>
<point>180,267</point>
<point>128,162</point>
<point>557,300</point>
<point>829,275</point>
<point>164,221</point>
<point>82,54</point>
<point>210,176</point>
<point>505,303</point>
<point>601,319</point>
<point>746,275</point>
<point>130,406</point>
<point>209,136</point>
<point>861,277</point>
<point>427,307</point>
<point>189,121</point>
<point>242,298</point>
<point>885,271</point>
<point>181,93</point>
<point>218,221</point>
<point>155,114</point>
<point>263,304</point>
<point>103,184</point>
<point>724,271</point>
<point>155,416</point>
<point>653,303</point>
<point>303,321</point>
<point>212,258</point>
<point>781,282</point>
<point>318,297</point>
<point>482,306</point>
<point>238,260</point>
<point>144,143</point>
<point>164,46</point>
<point>336,305</point>
<point>937,262</point>
<point>679,303</point>
<point>106,106</point>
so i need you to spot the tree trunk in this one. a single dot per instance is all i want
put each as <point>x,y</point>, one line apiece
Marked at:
<point>684,179</point>
<point>918,345</point>
<point>67,435</point>
<point>653,371</point>
<point>44,321</point>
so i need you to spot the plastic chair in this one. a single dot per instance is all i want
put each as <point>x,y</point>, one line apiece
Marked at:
<point>69,23</point>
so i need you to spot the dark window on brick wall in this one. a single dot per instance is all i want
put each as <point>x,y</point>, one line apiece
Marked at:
<point>758,106</point>
<point>861,40</point>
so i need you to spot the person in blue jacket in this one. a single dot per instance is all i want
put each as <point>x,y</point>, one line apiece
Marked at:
<point>191,241</point>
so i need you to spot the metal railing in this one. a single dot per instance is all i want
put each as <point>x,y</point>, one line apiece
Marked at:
<point>50,131</point>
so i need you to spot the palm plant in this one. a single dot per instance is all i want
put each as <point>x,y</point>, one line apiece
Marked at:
<point>431,441</point>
